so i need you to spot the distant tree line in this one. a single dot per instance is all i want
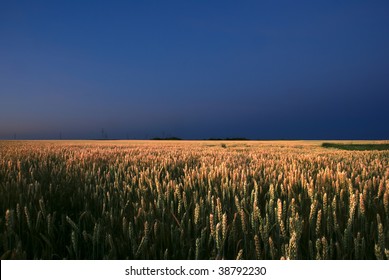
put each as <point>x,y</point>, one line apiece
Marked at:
<point>166,138</point>
<point>228,139</point>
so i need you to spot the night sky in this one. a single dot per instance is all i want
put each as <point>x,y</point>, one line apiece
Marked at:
<point>194,69</point>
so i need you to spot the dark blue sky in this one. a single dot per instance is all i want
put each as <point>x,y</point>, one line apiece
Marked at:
<point>194,69</point>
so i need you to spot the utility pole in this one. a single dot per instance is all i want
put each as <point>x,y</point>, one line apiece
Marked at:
<point>104,134</point>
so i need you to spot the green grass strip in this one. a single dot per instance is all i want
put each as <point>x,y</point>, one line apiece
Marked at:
<point>357,147</point>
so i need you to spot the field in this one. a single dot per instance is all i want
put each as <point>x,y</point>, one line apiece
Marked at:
<point>192,200</point>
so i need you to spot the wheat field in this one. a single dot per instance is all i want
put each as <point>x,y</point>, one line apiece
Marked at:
<point>192,200</point>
